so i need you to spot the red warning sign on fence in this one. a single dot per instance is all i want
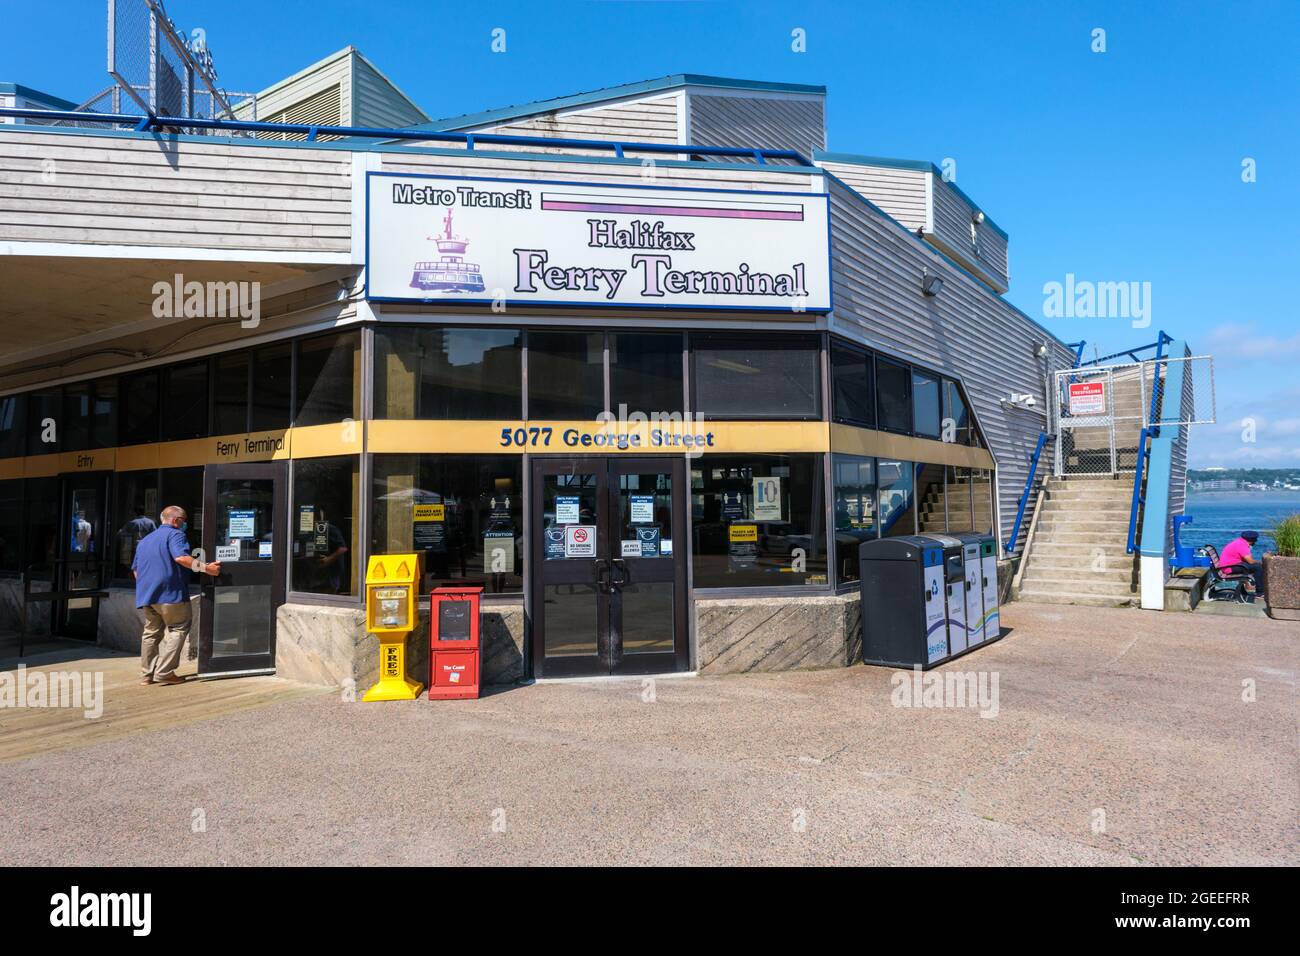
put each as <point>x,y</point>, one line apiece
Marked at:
<point>1087,398</point>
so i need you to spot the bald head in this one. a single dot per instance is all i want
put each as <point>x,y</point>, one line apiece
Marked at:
<point>173,515</point>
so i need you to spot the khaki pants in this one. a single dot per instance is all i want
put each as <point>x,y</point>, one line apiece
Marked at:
<point>172,623</point>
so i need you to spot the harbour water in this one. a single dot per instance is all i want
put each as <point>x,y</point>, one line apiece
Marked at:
<point>1219,516</point>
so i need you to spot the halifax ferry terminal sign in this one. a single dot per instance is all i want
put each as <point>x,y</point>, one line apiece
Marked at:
<point>526,242</point>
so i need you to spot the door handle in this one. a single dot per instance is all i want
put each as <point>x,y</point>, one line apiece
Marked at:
<point>620,566</point>
<point>602,579</point>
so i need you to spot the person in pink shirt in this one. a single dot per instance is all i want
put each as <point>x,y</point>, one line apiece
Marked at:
<point>1237,559</point>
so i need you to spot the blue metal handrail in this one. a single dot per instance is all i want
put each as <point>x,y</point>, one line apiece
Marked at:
<point>1139,499</point>
<point>150,123</point>
<point>1159,345</point>
<point>1024,495</point>
<point>1149,431</point>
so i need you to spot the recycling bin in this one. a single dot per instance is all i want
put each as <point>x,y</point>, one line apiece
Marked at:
<point>955,586</point>
<point>903,608</point>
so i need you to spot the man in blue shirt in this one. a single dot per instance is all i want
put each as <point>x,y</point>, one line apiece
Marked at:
<point>162,593</point>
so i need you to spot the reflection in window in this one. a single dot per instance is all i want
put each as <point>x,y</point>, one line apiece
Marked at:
<point>139,408</point>
<point>566,375</point>
<point>464,512</point>
<point>982,500</point>
<point>645,372</point>
<point>437,373</point>
<point>44,421</point>
<point>855,511</point>
<point>13,419</point>
<point>897,502</point>
<point>329,382</point>
<point>136,510</point>
<point>757,520</point>
<point>926,404</point>
<point>756,376</point>
<point>853,389</point>
<point>272,374</point>
<point>955,409</point>
<point>230,394</point>
<point>185,396</point>
<point>184,487</point>
<point>324,531</point>
<point>11,527</point>
<point>893,395</point>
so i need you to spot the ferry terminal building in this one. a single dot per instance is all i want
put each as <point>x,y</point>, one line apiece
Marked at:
<point>726,364</point>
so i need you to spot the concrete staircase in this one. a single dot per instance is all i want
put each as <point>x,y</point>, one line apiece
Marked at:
<point>1077,552</point>
<point>939,511</point>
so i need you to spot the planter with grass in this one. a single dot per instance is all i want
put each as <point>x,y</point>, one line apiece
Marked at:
<point>1282,571</point>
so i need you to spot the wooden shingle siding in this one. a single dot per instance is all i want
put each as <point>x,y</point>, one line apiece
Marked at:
<point>899,192</point>
<point>124,191</point>
<point>966,330</point>
<point>759,122</point>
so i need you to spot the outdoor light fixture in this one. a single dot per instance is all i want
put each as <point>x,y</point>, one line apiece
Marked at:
<point>978,217</point>
<point>1041,351</point>
<point>931,285</point>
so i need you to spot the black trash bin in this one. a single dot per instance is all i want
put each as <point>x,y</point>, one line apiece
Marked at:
<point>903,608</point>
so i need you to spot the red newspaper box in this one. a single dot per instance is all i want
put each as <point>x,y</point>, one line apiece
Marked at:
<point>455,653</point>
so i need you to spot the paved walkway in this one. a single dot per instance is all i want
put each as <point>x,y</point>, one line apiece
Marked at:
<point>1121,738</point>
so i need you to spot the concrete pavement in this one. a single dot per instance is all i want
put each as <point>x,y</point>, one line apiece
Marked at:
<point>1121,737</point>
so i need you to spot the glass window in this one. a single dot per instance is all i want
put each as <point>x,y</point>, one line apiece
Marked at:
<point>75,424</point>
<point>758,520</point>
<point>448,373</point>
<point>645,372</point>
<point>855,511</point>
<point>982,501</point>
<point>44,421</point>
<point>955,413</point>
<point>897,504</point>
<point>103,414</point>
<point>464,512</point>
<point>138,422</point>
<point>926,404</point>
<point>325,492</point>
<point>755,376</point>
<point>136,509</point>
<point>13,422</point>
<point>41,517</point>
<point>11,527</point>
<point>853,391</point>
<point>566,375</point>
<point>329,380</point>
<point>184,487</point>
<point>230,394</point>
<point>272,378</point>
<point>931,508</point>
<point>893,396</point>
<point>185,398</point>
<point>957,497</point>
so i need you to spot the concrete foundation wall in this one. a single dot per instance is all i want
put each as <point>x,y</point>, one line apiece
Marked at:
<point>318,644</point>
<point>740,635</point>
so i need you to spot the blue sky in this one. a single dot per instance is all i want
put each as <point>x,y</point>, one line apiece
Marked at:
<point>1124,165</point>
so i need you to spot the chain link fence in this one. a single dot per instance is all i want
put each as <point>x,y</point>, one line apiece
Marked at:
<point>1196,403</point>
<point>1097,417</point>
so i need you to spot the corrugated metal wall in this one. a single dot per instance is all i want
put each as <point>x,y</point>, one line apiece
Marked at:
<point>774,123</point>
<point>966,330</point>
<point>376,102</point>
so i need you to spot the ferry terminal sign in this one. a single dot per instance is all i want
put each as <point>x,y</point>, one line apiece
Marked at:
<point>528,242</point>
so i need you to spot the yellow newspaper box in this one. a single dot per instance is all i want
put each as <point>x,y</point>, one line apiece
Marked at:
<point>392,593</point>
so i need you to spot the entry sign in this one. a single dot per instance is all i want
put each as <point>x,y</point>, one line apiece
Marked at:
<point>1087,398</point>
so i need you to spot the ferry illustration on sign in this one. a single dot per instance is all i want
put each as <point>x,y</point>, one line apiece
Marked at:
<point>449,272</point>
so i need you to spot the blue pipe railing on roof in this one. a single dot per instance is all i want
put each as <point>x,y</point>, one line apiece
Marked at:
<point>1159,345</point>
<point>470,140</point>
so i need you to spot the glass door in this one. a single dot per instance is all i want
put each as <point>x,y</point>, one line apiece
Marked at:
<point>608,567</point>
<point>84,516</point>
<point>244,529</point>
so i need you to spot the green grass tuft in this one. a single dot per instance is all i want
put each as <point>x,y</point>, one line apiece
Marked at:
<point>1287,535</point>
